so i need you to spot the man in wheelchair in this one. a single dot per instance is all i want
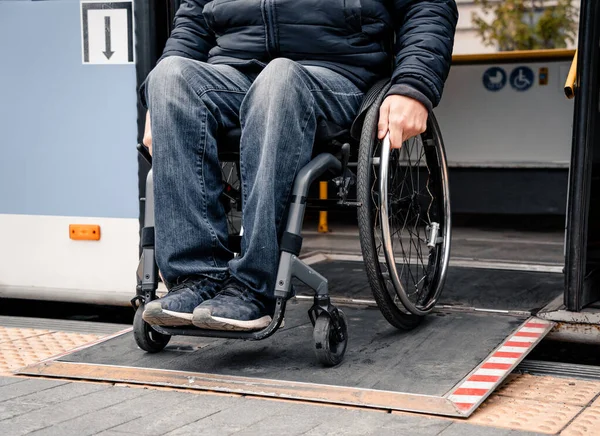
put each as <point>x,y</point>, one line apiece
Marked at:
<point>275,69</point>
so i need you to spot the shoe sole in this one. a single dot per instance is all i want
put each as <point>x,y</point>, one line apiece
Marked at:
<point>166,318</point>
<point>204,320</point>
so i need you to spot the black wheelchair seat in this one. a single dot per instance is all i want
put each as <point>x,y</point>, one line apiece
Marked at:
<point>229,145</point>
<point>329,138</point>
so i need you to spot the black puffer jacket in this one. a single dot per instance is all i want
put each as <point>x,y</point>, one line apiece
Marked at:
<point>365,40</point>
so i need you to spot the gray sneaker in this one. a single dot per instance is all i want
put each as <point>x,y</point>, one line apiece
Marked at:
<point>235,308</point>
<point>176,308</point>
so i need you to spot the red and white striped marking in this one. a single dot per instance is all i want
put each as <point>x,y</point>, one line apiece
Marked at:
<point>478,385</point>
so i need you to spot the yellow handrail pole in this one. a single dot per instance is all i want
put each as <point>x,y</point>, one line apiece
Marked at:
<point>570,84</point>
<point>323,228</point>
<point>513,56</point>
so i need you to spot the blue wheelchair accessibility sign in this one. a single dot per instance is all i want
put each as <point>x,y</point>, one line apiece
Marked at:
<point>522,78</point>
<point>494,79</point>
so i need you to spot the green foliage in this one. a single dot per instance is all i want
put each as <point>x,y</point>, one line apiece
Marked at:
<point>527,24</point>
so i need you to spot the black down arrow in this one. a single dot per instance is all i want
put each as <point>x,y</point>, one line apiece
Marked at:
<point>108,52</point>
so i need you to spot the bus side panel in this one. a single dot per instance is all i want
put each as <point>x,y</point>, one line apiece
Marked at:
<point>68,141</point>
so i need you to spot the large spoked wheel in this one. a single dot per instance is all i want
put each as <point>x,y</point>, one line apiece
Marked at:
<point>145,336</point>
<point>404,220</point>
<point>329,346</point>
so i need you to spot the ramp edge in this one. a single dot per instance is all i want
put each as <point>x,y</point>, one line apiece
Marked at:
<point>479,384</point>
<point>318,393</point>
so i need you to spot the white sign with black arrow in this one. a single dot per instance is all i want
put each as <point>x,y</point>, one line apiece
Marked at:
<point>107,32</point>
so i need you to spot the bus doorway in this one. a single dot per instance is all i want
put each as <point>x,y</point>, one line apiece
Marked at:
<point>582,269</point>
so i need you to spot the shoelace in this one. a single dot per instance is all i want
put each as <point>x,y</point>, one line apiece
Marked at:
<point>232,288</point>
<point>199,286</point>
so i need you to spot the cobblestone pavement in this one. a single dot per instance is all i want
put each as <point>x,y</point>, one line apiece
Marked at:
<point>56,407</point>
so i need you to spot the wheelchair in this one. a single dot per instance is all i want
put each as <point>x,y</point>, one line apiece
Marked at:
<point>403,206</point>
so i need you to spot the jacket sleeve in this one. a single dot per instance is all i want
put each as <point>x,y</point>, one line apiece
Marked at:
<point>190,38</point>
<point>423,47</point>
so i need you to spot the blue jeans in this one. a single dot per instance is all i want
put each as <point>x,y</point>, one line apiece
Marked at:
<point>278,109</point>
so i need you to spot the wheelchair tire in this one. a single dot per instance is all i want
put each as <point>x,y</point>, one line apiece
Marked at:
<point>392,289</point>
<point>328,349</point>
<point>145,336</point>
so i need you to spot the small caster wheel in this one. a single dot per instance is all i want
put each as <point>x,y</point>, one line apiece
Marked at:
<point>329,349</point>
<point>145,336</point>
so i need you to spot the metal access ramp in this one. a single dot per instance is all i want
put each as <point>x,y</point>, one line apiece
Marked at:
<point>447,366</point>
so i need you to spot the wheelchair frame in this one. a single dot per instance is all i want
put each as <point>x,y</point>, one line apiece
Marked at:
<point>330,325</point>
<point>329,321</point>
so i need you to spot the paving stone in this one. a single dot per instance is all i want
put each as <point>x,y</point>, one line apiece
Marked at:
<point>63,392</point>
<point>279,425</point>
<point>295,420</point>
<point>241,415</point>
<point>522,414</point>
<point>139,414</point>
<point>413,425</point>
<point>12,408</point>
<point>172,415</point>
<point>89,424</point>
<point>115,433</point>
<point>9,334</point>
<point>107,418</point>
<point>586,424</point>
<point>27,350</point>
<point>461,429</point>
<point>358,422</point>
<point>550,389</point>
<point>75,407</point>
<point>5,381</point>
<point>27,387</point>
<point>596,403</point>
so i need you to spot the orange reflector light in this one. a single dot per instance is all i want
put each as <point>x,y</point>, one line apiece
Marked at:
<point>84,232</point>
